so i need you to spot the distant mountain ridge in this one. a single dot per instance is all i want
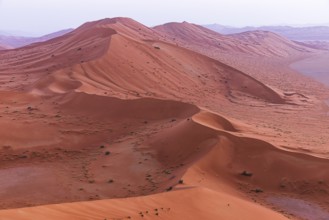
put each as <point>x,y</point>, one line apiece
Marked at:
<point>315,33</point>
<point>7,42</point>
<point>4,47</point>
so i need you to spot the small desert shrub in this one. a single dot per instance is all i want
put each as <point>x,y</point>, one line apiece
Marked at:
<point>169,189</point>
<point>246,173</point>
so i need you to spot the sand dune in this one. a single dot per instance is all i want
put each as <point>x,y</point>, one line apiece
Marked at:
<point>157,127</point>
<point>248,43</point>
<point>274,54</point>
<point>213,155</point>
<point>172,66</point>
<point>261,158</point>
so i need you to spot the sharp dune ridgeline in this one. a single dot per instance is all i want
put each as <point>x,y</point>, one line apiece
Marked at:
<point>117,120</point>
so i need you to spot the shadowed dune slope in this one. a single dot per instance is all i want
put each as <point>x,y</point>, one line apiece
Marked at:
<point>226,152</point>
<point>212,152</point>
<point>295,172</point>
<point>118,109</point>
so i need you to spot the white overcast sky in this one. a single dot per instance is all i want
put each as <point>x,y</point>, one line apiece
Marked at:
<point>44,16</point>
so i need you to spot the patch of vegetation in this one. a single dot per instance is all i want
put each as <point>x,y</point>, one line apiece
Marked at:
<point>246,173</point>
<point>107,153</point>
<point>258,190</point>
<point>169,189</point>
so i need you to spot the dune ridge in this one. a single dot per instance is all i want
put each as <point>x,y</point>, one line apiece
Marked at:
<point>167,68</point>
<point>259,43</point>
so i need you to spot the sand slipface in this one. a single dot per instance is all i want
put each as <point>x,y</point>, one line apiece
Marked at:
<point>116,120</point>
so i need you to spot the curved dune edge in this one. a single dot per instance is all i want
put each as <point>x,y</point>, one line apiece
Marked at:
<point>214,154</point>
<point>223,154</point>
<point>240,152</point>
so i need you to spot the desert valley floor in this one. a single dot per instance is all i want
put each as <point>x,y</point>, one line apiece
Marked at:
<point>116,120</point>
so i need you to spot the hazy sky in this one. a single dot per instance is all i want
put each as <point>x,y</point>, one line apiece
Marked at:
<point>45,16</point>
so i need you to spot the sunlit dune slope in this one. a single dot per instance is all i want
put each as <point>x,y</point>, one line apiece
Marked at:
<point>195,203</point>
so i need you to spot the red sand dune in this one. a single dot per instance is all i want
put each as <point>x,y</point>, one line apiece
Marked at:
<point>118,112</point>
<point>206,41</point>
<point>274,53</point>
